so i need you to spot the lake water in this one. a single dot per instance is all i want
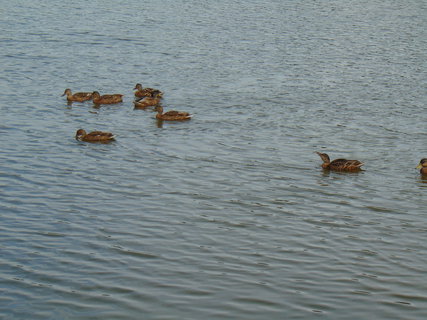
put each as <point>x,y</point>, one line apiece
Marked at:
<point>229,215</point>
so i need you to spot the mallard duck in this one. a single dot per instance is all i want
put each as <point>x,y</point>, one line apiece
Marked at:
<point>94,136</point>
<point>144,92</point>
<point>106,98</point>
<point>340,164</point>
<point>148,101</point>
<point>171,115</point>
<point>422,166</point>
<point>78,96</point>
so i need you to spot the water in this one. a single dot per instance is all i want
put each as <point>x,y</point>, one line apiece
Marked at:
<point>227,216</point>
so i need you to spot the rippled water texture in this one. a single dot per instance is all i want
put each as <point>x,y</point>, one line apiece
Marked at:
<point>229,215</point>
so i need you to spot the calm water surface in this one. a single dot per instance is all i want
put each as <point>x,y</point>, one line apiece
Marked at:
<point>227,216</point>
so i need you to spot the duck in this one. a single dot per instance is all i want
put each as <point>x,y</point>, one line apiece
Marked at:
<point>78,96</point>
<point>422,166</point>
<point>171,115</point>
<point>144,92</point>
<point>148,101</point>
<point>340,164</point>
<point>106,98</point>
<point>94,136</point>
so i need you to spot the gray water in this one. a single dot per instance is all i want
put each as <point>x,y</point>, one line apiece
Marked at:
<point>229,215</point>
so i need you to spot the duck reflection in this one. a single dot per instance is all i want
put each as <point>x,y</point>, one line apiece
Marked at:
<point>423,180</point>
<point>328,173</point>
<point>159,123</point>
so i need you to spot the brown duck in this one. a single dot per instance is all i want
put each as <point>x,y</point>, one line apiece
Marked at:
<point>171,115</point>
<point>340,164</point>
<point>106,98</point>
<point>78,96</point>
<point>422,166</point>
<point>144,92</point>
<point>148,101</point>
<point>94,136</point>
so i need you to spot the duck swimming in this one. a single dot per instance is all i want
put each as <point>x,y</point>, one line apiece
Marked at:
<point>148,101</point>
<point>340,164</point>
<point>78,96</point>
<point>422,166</point>
<point>144,92</point>
<point>106,98</point>
<point>171,115</point>
<point>94,136</point>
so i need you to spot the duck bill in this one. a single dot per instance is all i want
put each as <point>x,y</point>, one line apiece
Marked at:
<point>419,166</point>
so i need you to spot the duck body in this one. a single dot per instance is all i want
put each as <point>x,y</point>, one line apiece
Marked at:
<point>78,96</point>
<point>423,166</point>
<point>171,115</point>
<point>106,98</point>
<point>148,101</point>
<point>145,92</point>
<point>339,164</point>
<point>94,136</point>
